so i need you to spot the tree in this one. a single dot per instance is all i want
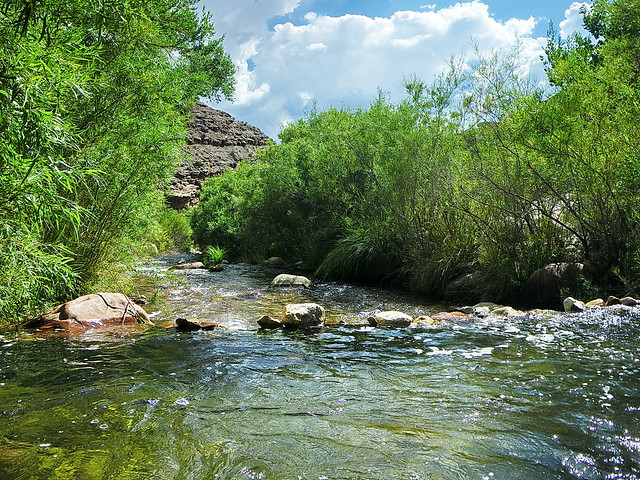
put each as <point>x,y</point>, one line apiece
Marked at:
<point>93,102</point>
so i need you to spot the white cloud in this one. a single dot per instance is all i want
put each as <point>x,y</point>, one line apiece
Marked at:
<point>573,20</point>
<point>343,61</point>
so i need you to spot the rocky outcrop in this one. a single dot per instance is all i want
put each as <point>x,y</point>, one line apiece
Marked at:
<point>91,311</point>
<point>215,142</point>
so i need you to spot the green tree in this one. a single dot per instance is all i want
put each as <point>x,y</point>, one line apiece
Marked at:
<point>93,102</point>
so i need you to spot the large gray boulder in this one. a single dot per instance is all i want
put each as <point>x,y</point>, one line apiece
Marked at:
<point>303,315</point>
<point>92,311</point>
<point>286,280</point>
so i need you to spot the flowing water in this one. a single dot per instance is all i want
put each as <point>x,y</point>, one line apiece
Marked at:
<point>531,397</point>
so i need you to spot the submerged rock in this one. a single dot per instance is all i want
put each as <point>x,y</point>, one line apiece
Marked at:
<point>92,311</point>
<point>286,280</point>
<point>390,319</point>
<point>303,315</point>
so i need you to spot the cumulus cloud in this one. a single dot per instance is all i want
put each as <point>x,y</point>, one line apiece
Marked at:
<point>572,22</point>
<point>343,61</point>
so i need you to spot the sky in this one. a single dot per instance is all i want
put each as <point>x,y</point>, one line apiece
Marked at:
<point>293,54</point>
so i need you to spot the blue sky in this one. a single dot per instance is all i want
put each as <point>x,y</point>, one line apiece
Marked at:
<point>290,54</point>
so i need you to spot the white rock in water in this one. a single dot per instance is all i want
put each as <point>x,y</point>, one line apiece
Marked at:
<point>390,319</point>
<point>286,280</point>
<point>571,305</point>
<point>300,315</point>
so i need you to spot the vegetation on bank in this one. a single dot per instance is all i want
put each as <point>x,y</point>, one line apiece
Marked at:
<point>93,102</point>
<point>469,184</point>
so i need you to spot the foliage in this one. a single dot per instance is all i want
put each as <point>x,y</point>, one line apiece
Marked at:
<point>480,176</point>
<point>93,99</point>
<point>212,256</point>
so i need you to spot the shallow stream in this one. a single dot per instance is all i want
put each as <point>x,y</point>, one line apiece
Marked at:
<point>531,397</point>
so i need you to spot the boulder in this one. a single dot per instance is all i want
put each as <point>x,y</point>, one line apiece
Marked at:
<point>629,301</point>
<point>92,311</point>
<point>274,262</point>
<point>269,323</point>
<point>390,319</point>
<point>188,266</point>
<point>286,280</point>
<point>546,284</point>
<point>598,302</point>
<point>571,305</point>
<point>184,325</point>
<point>303,315</point>
<point>612,301</point>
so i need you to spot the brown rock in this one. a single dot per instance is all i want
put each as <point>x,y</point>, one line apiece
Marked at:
<point>188,266</point>
<point>612,301</point>
<point>184,325</point>
<point>450,316</point>
<point>629,301</point>
<point>269,323</point>
<point>92,311</point>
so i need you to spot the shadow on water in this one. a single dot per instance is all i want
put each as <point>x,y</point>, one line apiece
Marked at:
<point>528,397</point>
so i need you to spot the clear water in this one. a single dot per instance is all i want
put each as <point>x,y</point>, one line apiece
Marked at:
<point>534,397</point>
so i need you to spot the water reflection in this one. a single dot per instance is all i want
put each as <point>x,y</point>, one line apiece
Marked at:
<point>528,397</point>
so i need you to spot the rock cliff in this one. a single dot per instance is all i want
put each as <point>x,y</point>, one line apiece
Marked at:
<point>215,142</point>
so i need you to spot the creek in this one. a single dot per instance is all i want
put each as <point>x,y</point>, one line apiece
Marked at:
<point>536,396</point>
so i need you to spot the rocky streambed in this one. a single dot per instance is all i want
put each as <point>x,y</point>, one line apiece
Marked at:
<point>533,395</point>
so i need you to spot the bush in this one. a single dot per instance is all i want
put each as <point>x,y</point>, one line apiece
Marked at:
<point>212,256</point>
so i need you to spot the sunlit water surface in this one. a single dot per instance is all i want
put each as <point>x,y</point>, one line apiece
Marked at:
<point>533,397</point>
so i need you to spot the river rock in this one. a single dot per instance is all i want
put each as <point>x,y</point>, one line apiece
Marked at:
<point>92,311</point>
<point>269,323</point>
<point>571,305</point>
<point>598,302</point>
<point>424,320</point>
<point>506,312</point>
<point>390,319</point>
<point>188,266</point>
<point>286,280</point>
<point>612,301</point>
<point>629,301</point>
<point>303,315</point>
<point>274,262</point>
<point>184,325</point>
<point>450,316</point>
